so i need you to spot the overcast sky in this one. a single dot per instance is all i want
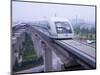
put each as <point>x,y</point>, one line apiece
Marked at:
<point>27,11</point>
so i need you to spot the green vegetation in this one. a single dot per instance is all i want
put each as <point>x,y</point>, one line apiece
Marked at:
<point>85,33</point>
<point>28,64</point>
<point>28,52</point>
<point>29,56</point>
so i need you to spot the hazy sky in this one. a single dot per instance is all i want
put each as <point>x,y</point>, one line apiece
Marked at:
<point>26,11</point>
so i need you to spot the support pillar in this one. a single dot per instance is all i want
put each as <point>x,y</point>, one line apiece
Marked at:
<point>47,55</point>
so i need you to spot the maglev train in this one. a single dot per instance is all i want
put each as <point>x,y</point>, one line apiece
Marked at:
<point>60,28</point>
<point>57,27</point>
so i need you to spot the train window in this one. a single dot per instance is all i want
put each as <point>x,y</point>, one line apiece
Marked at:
<point>63,27</point>
<point>45,25</point>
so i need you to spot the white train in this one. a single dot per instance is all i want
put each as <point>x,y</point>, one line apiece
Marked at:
<point>57,27</point>
<point>60,28</point>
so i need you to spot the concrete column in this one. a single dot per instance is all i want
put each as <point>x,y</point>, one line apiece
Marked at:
<point>47,58</point>
<point>57,63</point>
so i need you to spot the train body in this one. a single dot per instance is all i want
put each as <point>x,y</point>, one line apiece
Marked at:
<point>57,27</point>
<point>60,28</point>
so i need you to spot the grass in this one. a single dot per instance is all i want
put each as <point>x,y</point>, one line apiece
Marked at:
<point>28,51</point>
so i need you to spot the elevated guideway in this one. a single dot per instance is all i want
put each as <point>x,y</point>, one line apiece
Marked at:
<point>83,52</point>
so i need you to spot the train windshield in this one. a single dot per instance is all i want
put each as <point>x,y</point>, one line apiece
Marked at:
<point>63,27</point>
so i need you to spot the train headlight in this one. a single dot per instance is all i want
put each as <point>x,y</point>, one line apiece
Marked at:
<point>59,29</point>
<point>68,28</point>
